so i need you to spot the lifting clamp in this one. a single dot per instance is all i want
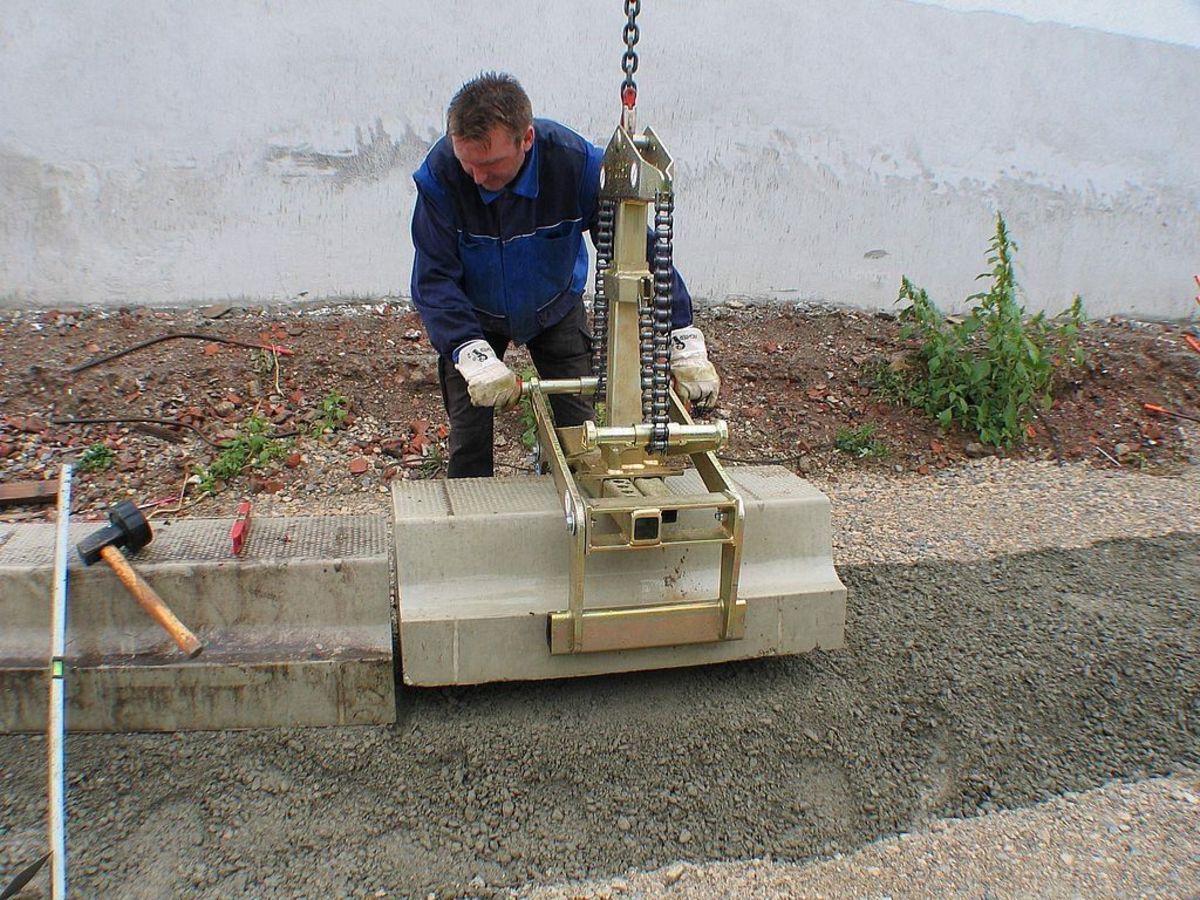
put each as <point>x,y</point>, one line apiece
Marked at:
<point>619,481</point>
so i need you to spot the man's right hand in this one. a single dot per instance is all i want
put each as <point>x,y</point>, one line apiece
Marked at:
<point>489,381</point>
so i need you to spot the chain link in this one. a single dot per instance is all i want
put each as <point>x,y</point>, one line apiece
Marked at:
<point>664,236</point>
<point>629,61</point>
<point>604,253</point>
<point>654,317</point>
<point>646,358</point>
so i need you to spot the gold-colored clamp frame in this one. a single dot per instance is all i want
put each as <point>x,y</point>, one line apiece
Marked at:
<point>623,511</point>
<point>614,489</point>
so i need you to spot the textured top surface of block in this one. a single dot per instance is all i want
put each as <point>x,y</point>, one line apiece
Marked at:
<point>518,496</point>
<point>207,540</point>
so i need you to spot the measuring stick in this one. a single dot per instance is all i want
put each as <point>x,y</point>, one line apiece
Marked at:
<point>56,719</point>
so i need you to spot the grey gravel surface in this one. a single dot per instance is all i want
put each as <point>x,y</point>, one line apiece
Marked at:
<point>978,678</point>
<point>1119,841</point>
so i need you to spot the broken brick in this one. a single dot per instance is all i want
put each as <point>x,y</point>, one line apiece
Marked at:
<point>265,485</point>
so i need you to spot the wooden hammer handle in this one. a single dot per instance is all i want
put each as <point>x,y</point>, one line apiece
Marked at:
<point>153,604</point>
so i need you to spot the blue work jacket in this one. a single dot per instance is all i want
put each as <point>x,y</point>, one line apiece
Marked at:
<point>511,261</point>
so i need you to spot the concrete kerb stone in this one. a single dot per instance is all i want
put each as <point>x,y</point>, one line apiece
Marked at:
<point>481,562</point>
<point>297,630</point>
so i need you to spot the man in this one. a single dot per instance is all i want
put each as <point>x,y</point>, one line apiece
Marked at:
<point>502,204</point>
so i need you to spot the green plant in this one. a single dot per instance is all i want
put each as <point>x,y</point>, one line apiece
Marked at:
<point>860,442</point>
<point>990,371</point>
<point>432,465</point>
<point>528,420</point>
<point>887,381</point>
<point>331,413</point>
<point>252,447</point>
<point>263,362</point>
<point>96,458</point>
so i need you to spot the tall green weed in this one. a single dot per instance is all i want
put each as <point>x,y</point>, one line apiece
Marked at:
<point>992,370</point>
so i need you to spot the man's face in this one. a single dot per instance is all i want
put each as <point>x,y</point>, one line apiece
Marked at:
<point>494,162</point>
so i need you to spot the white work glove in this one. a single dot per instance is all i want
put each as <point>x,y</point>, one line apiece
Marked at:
<point>695,378</point>
<point>489,381</point>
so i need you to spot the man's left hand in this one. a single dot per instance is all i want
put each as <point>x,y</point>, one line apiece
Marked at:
<point>695,378</point>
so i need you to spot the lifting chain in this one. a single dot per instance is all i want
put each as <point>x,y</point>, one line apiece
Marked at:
<point>664,235</point>
<point>604,253</point>
<point>629,62</point>
<point>646,358</point>
<point>654,316</point>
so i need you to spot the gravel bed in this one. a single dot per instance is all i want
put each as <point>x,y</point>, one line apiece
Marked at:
<point>990,507</point>
<point>1119,841</point>
<point>987,670</point>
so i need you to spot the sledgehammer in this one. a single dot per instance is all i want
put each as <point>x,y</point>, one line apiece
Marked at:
<point>129,528</point>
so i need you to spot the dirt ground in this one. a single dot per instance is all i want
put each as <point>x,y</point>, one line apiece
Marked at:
<point>792,379</point>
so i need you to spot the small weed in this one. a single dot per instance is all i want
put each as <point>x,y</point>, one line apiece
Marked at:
<point>888,383</point>
<point>861,442</point>
<point>1136,459</point>
<point>263,362</point>
<point>96,458</point>
<point>432,465</point>
<point>331,413</point>
<point>252,448</point>
<point>529,437</point>
<point>991,371</point>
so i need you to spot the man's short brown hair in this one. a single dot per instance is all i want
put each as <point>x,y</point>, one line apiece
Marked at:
<point>488,100</point>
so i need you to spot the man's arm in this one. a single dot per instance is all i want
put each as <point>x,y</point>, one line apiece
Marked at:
<point>437,277</point>
<point>447,313</point>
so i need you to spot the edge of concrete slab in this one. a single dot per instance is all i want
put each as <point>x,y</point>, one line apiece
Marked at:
<point>298,629</point>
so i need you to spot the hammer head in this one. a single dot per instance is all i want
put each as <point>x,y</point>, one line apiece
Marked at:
<point>127,528</point>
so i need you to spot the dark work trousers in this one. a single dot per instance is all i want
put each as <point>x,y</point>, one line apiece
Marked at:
<point>561,351</point>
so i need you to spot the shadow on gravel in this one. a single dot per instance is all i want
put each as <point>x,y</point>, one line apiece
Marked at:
<point>964,688</point>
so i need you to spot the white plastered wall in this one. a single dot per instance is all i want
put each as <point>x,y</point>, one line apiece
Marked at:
<point>178,153</point>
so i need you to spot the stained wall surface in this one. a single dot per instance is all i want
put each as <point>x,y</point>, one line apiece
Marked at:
<point>178,153</point>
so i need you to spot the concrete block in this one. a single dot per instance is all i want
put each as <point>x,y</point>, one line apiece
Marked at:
<point>481,563</point>
<point>297,630</point>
